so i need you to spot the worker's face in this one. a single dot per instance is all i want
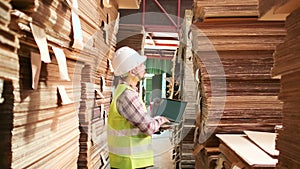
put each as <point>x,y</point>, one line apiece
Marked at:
<point>141,71</point>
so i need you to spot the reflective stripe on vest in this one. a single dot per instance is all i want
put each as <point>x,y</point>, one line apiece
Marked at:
<point>126,147</point>
<point>130,150</point>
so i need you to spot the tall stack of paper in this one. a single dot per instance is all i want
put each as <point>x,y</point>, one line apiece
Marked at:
<point>287,66</point>
<point>63,59</point>
<point>46,102</point>
<point>46,119</point>
<point>9,80</point>
<point>255,104</point>
<point>99,35</point>
<point>233,52</point>
<point>235,60</point>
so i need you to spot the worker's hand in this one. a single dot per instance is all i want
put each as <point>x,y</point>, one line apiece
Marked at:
<point>165,126</point>
<point>165,120</point>
<point>162,127</point>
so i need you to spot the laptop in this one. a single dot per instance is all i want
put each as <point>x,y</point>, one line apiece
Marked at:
<point>171,109</point>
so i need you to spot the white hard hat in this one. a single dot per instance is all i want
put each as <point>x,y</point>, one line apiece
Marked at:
<point>126,59</point>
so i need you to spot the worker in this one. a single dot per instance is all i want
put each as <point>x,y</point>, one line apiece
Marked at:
<point>130,126</point>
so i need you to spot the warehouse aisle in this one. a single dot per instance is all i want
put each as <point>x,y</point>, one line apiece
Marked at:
<point>162,151</point>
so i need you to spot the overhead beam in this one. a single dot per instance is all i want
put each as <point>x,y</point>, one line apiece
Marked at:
<point>166,13</point>
<point>175,26</point>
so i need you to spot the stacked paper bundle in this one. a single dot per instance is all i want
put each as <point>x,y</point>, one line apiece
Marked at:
<point>53,16</point>
<point>234,56</point>
<point>250,150</point>
<point>46,118</point>
<point>46,103</point>
<point>9,44</point>
<point>131,35</point>
<point>9,80</point>
<point>243,51</point>
<point>225,8</point>
<point>287,66</point>
<point>64,56</point>
<point>96,81</point>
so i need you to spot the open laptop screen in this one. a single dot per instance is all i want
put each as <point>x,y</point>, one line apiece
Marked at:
<point>171,109</point>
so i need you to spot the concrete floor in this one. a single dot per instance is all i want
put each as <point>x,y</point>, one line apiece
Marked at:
<point>163,150</point>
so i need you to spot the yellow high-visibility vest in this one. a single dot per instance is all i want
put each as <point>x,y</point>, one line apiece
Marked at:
<point>128,147</point>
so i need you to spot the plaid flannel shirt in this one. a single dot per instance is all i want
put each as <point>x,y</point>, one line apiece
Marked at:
<point>130,106</point>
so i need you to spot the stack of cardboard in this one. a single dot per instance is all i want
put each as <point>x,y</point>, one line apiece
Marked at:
<point>132,36</point>
<point>251,151</point>
<point>9,44</point>
<point>9,79</point>
<point>225,8</point>
<point>99,33</point>
<point>64,55</point>
<point>54,17</point>
<point>242,51</point>
<point>287,66</point>
<point>276,9</point>
<point>45,111</point>
<point>46,102</point>
<point>234,57</point>
<point>188,93</point>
